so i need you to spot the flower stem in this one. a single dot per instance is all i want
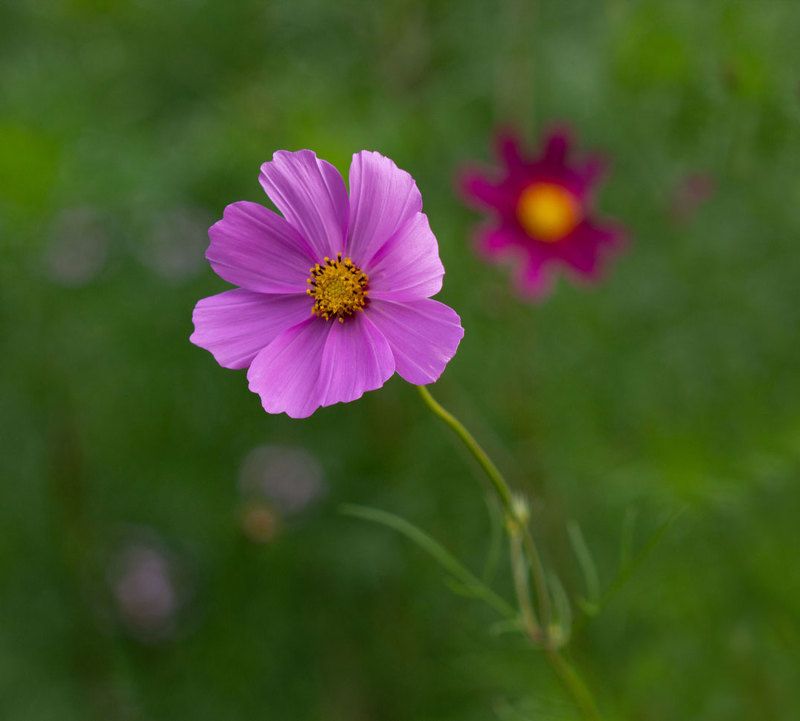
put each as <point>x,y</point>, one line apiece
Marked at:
<point>492,471</point>
<point>522,544</point>
<point>512,511</point>
<point>574,684</point>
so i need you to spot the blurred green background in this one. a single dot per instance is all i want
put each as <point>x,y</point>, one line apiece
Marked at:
<point>154,566</point>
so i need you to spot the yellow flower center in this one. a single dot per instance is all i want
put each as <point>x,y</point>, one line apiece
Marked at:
<point>338,288</point>
<point>548,211</point>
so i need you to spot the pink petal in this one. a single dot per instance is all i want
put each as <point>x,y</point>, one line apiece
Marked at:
<point>591,171</point>
<point>312,197</point>
<point>255,248</point>
<point>235,325</point>
<point>508,149</point>
<point>408,266</point>
<point>492,241</point>
<point>534,278</point>
<point>584,249</point>
<point>583,257</point>
<point>357,358</point>
<point>556,148</point>
<point>382,199</point>
<point>286,373</point>
<point>423,335</point>
<point>319,363</point>
<point>478,190</point>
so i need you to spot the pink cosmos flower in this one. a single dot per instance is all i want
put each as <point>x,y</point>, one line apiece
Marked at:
<point>335,296</point>
<point>542,212</point>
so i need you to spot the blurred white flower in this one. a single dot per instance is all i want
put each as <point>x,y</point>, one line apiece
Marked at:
<point>287,478</point>
<point>146,591</point>
<point>175,247</point>
<point>77,247</point>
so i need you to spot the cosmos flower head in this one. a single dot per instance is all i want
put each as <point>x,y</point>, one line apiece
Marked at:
<point>541,213</point>
<point>335,294</point>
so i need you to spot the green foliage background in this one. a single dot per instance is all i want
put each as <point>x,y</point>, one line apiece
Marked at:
<point>673,385</point>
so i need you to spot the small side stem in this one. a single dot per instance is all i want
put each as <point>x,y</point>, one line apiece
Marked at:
<point>539,580</point>
<point>519,569</point>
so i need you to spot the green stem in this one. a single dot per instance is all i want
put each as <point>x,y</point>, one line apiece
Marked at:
<point>574,684</point>
<point>521,539</point>
<point>503,490</point>
<point>492,471</point>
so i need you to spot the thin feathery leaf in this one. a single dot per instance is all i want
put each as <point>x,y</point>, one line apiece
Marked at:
<point>585,561</point>
<point>510,625</point>
<point>439,553</point>
<point>626,573</point>
<point>495,539</point>
<point>563,609</point>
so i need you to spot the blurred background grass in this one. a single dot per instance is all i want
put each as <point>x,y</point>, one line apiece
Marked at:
<point>149,567</point>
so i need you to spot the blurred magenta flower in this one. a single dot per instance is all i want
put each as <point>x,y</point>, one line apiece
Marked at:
<point>335,296</point>
<point>541,212</point>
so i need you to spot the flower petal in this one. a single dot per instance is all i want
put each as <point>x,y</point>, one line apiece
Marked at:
<point>357,358</point>
<point>382,199</point>
<point>318,363</point>
<point>556,148</point>
<point>492,241</point>
<point>507,147</point>
<point>534,278</point>
<point>312,197</point>
<point>286,373</point>
<point>235,325</point>
<point>480,191</point>
<point>592,170</point>
<point>257,249</point>
<point>408,266</point>
<point>584,250</point>
<point>423,335</point>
